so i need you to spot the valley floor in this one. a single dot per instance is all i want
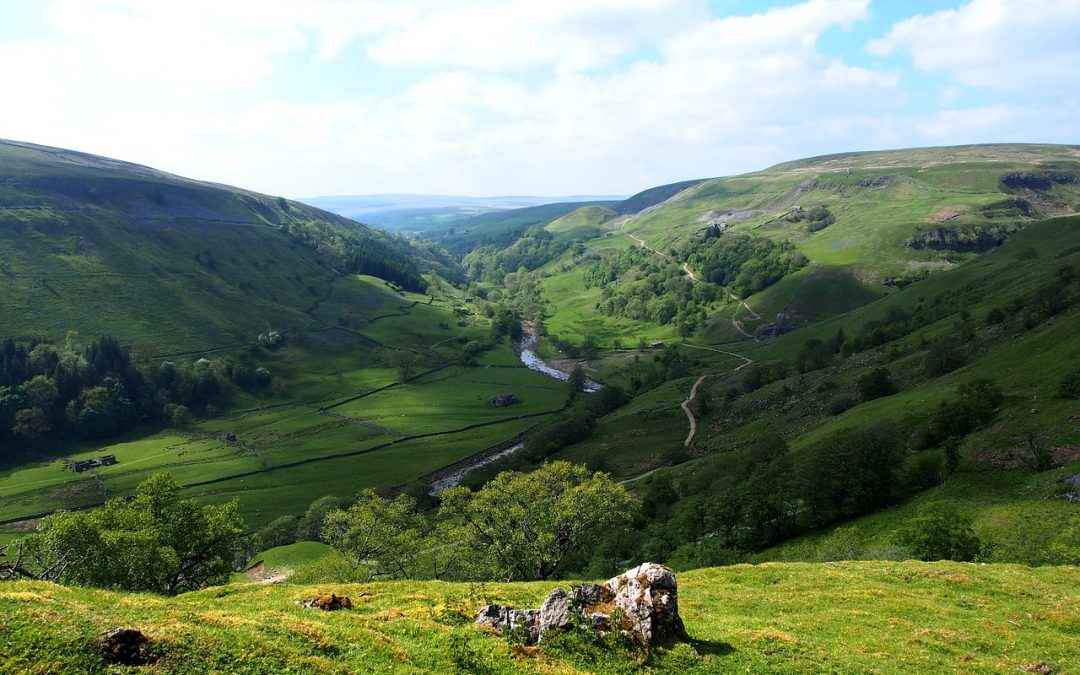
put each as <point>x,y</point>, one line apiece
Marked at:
<point>837,617</point>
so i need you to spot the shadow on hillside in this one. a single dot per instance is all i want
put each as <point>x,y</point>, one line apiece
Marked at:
<point>710,647</point>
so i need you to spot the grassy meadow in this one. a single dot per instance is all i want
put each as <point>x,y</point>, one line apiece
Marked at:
<point>883,617</point>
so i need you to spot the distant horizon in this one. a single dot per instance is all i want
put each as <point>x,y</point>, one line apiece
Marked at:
<point>486,97</point>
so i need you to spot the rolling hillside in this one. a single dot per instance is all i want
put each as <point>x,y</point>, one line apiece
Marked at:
<point>837,617</point>
<point>99,246</point>
<point>880,200</point>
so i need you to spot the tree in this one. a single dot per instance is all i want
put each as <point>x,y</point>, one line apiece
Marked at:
<point>310,527</point>
<point>280,532</point>
<point>943,356</point>
<point>940,532</point>
<point>156,542</point>
<point>31,424</point>
<point>527,525</point>
<point>404,361</point>
<point>875,384</point>
<point>577,379</point>
<point>391,536</point>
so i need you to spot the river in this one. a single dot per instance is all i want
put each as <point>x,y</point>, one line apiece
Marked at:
<point>532,360</point>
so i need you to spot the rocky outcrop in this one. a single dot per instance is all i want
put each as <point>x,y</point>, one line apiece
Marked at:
<point>642,603</point>
<point>327,603</point>
<point>123,646</point>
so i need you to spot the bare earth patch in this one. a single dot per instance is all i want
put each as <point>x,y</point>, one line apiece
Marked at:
<point>946,213</point>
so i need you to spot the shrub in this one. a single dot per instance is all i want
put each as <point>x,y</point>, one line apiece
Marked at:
<point>1069,386</point>
<point>940,532</point>
<point>876,384</point>
<point>943,356</point>
<point>842,403</point>
<point>924,470</point>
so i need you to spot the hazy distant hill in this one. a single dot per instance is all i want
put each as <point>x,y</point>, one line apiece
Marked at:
<point>416,213</point>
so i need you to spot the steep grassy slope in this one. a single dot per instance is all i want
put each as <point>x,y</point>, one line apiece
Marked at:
<point>879,200</point>
<point>98,246</point>
<point>1027,362</point>
<point>842,617</point>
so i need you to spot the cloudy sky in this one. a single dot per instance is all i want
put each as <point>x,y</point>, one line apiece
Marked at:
<point>490,97</point>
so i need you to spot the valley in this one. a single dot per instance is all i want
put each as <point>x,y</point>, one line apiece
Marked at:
<point>817,362</point>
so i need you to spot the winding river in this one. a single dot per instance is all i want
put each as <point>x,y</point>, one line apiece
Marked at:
<point>532,360</point>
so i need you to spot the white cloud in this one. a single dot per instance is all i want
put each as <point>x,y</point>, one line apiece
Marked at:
<point>1008,46</point>
<point>488,97</point>
<point>502,35</point>
<point>213,43</point>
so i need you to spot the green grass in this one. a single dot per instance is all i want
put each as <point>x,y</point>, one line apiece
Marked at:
<point>283,560</point>
<point>1020,514</point>
<point>285,426</point>
<point>878,199</point>
<point>840,617</point>
<point>583,223</point>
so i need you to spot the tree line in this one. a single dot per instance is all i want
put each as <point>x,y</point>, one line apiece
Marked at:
<point>51,391</point>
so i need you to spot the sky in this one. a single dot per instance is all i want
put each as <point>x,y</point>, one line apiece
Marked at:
<point>542,97</point>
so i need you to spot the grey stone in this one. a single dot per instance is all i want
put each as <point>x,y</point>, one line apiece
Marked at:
<point>493,616</point>
<point>557,610</point>
<point>526,618</point>
<point>590,595</point>
<point>600,621</point>
<point>123,646</point>
<point>645,597</point>
<point>648,598</point>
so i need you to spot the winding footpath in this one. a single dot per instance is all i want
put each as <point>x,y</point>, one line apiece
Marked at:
<point>685,405</point>
<point>735,322</point>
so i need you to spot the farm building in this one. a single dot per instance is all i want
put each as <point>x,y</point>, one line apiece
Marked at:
<point>503,400</point>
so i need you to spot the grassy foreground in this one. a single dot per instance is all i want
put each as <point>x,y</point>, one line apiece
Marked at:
<point>836,617</point>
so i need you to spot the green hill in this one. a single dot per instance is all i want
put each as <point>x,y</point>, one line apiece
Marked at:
<point>892,209</point>
<point>838,617</point>
<point>99,246</point>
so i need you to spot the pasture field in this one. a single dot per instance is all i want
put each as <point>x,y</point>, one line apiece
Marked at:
<point>335,392</point>
<point>287,490</point>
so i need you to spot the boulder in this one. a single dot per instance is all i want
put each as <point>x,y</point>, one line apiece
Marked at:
<point>648,598</point>
<point>327,603</point>
<point>503,618</point>
<point>645,600</point>
<point>123,646</point>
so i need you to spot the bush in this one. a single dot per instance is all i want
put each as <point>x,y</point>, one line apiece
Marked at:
<point>943,356</point>
<point>876,384</point>
<point>940,532</point>
<point>995,315</point>
<point>924,470</point>
<point>843,543</point>
<point>842,403</point>
<point>1069,386</point>
<point>332,569</point>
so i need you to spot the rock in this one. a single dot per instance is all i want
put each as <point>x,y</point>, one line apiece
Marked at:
<point>327,603</point>
<point>590,595</point>
<point>123,646</point>
<point>649,600</point>
<point>505,618</point>
<point>493,616</point>
<point>527,619</point>
<point>600,621</point>
<point>646,599</point>
<point>557,611</point>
